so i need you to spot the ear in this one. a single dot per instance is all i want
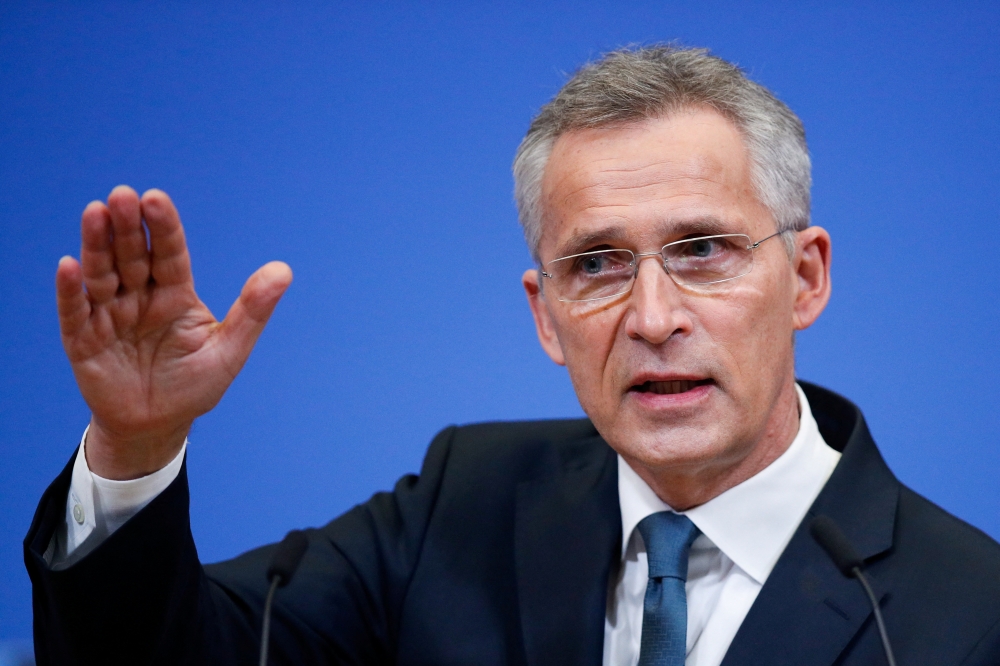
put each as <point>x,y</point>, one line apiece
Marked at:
<point>543,318</point>
<point>812,271</point>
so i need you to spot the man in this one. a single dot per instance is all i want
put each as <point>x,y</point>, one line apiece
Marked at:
<point>665,199</point>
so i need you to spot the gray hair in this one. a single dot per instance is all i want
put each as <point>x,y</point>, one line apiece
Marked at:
<point>634,84</point>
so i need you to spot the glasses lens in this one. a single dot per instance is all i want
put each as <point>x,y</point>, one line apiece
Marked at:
<point>592,275</point>
<point>709,258</point>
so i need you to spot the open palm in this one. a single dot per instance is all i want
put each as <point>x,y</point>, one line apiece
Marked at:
<point>148,355</point>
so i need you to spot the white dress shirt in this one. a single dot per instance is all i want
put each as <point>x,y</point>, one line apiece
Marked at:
<point>96,507</point>
<point>743,532</point>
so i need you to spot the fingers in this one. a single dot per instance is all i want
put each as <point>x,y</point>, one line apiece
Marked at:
<point>97,254</point>
<point>170,263</point>
<point>71,301</point>
<point>248,315</point>
<point>129,244</point>
<point>114,253</point>
<point>262,291</point>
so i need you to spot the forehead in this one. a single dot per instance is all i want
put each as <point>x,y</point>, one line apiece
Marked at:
<point>647,181</point>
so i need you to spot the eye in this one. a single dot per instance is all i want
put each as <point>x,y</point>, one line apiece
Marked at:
<point>593,264</point>
<point>704,248</point>
<point>602,263</point>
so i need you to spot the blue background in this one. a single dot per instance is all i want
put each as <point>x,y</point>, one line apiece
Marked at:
<point>369,145</point>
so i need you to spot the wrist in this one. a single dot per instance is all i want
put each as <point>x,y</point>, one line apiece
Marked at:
<point>122,457</point>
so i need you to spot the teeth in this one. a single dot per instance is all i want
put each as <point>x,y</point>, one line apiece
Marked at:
<point>668,388</point>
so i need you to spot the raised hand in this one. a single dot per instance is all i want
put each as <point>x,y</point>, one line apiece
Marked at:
<point>148,355</point>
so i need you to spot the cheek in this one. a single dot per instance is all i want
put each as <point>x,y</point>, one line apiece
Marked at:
<point>752,333</point>
<point>587,343</point>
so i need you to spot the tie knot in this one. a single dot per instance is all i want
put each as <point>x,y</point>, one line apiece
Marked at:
<point>668,537</point>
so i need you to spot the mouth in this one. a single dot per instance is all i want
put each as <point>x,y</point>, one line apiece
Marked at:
<point>671,387</point>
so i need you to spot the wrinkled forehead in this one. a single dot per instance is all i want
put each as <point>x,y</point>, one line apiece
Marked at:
<point>684,173</point>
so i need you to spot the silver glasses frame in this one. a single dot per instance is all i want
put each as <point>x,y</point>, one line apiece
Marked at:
<point>638,256</point>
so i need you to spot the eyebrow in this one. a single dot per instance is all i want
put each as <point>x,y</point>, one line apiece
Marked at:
<point>668,230</point>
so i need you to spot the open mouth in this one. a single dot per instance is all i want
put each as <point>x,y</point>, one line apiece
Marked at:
<point>671,387</point>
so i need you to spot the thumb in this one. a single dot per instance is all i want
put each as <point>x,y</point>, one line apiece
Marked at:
<point>248,315</point>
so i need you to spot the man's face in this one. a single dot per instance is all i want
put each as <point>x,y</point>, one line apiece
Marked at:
<point>673,377</point>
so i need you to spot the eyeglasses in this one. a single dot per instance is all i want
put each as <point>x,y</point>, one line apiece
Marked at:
<point>592,276</point>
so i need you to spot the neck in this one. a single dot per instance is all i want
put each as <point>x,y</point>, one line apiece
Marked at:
<point>686,488</point>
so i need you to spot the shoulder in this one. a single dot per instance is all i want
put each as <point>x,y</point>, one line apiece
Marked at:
<point>522,449</point>
<point>943,581</point>
<point>506,438</point>
<point>944,546</point>
<point>930,558</point>
<point>507,434</point>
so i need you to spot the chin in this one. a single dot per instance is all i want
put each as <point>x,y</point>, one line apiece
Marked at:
<point>661,448</point>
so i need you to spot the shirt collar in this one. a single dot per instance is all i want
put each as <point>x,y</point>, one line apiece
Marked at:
<point>751,522</point>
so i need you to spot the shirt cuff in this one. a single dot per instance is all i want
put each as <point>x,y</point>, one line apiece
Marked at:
<point>96,507</point>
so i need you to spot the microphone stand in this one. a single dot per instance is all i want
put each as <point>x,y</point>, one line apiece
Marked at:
<point>266,630</point>
<point>845,558</point>
<point>287,557</point>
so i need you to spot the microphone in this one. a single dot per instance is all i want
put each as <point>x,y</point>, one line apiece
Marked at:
<point>847,560</point>
<point>286,560</point>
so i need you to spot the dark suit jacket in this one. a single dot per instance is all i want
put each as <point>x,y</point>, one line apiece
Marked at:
<point>500,552</point>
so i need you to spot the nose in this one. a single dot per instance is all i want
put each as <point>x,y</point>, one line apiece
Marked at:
<point>655,310</point>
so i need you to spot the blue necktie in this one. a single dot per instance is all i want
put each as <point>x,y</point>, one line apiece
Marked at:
<point>668,537</point>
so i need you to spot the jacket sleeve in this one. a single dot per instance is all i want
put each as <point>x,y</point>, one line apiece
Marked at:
<point>143,597</point>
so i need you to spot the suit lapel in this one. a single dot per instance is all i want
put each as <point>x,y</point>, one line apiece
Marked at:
<point>567,535</point>
<point>807,612</point>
